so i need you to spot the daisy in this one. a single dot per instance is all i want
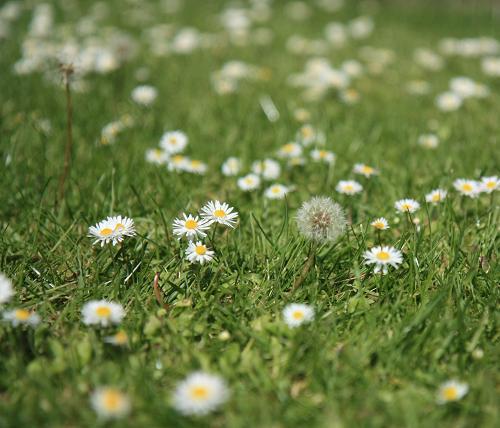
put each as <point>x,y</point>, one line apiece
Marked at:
<point>429,141</point>
<point>120,338</point>
<point>177,163</point>
<point>249,182</point>
<point>199,394</point>
<point>323,155</point>
<point>367,171</point>
<point>276,191</point>
<point>380,223</point>
<point>112,229</point>
<point>173,142</point>
<point>407,205</point>
<point>110,403</point>
<point>269,169</point>
<point>102,312</point>
<point>489,184</point>
<point>231,166</point>
<point>144,95</point>
<point>306,135</point>
<point>198,253</point>
<point>466,187</point>
<point>296,314</point>
<point>195,166</point>
<point>290,150</point>
<point>156,156</point>
<point>6,289</point>
<point>217,212</point>
<point>451,390</point>
<point>436,196</point>
<point>320,219</point>
<point>349,96</point>
<point>190,226</point>
<point>382,257</point>
<point>21,317</point>
<point>448,101</point>
<point>348,187</point>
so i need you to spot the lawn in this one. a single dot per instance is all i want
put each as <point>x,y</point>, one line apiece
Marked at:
<point>367,103</point>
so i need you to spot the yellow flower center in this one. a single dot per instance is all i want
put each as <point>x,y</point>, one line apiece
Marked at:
<point>406,207</point>
<point>450,393</point>
<point>275,189</point>
<point>177,159</point>
<point>112,400</point>
<point>191,224</point>
<point>378,225</point>
<point>106,231</point>
<point>22,314</point>
<point>173,141</point>
<point>307,132</point>
<point>288,148</point>
<point>200,250</point>
<point>348,187</point>
<point>121,338</point>
<point>322,154</point>
<point>298,315</point>
<point>195,163</point>
<point>436,197</point>
<point>367,169</point>
<point>248,180</point>
<point>490,184</point>
<point>199,392</point>
<point>383,256</point>
<point>103,312</point>
<point>467,187</point>
<point>219,213</point>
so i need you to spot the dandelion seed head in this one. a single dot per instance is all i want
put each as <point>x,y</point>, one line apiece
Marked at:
<point>320,219</point>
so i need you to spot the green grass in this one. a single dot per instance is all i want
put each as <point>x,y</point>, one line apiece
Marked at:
<point>379,347</point>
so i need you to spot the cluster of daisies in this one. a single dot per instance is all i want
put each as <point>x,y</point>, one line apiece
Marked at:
<point>195,227</point>
<point>172,145</point>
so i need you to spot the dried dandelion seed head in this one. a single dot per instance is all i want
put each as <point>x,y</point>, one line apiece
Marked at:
<point>320,219</point>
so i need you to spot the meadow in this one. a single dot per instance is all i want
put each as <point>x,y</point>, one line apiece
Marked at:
<point>376,306</point>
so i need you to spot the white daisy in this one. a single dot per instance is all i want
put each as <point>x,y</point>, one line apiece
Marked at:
<point>296,314</point>
<point>323,155</point>
<point>429,141</point>
<point>249,182</point>
<point>178,163</point>
<point>190,226</point>
<point>489,184</point>
<point>110,403</point>
<point>306,135</point>
<point>466,187</point>
<point>21,317</point>
<point>112,229</point>
<point>407,205</point>
<point>120,338</point>
<point>448,101</point>
<point>173,142</point>
<point>199,394</point>
<point>6,289</point>
<point>231,166</point>
<point>269,169</point>
<point>367,171</point>
<point>380,223</point>
<point>348,187</point>
<point>198,253</point>
<point>382,257</point>
<point>436,196</point>
<point>290,150</point>
<point>102,312</point>
<point>217,212</point>
<point>195,166</point>
<point>451,390</point>
<point>144,95</point>
<point>156,156</point>
<point>276,191</point>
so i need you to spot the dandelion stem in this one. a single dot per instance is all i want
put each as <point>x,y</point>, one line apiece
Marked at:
<point>307,267</point>
<point>67,71</point>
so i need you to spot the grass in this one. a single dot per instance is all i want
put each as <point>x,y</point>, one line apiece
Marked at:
<point>379,347</point>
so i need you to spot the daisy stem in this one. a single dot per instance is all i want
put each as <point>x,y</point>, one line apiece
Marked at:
<point>307,266</point>
<point>67,71</point>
